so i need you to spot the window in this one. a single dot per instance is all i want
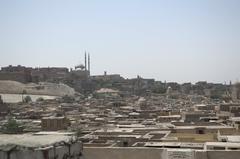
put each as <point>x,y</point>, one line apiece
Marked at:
<point>233,148</point>
<point>201,132</point>
<point>218,148</point>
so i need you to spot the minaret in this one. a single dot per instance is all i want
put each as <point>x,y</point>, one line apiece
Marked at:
<point>85,61</point>
<point>89,63</point>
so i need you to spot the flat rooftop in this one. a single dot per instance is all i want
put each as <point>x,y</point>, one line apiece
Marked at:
<point>32,141</point>
<point>174,144</point>
<point>224,144</point>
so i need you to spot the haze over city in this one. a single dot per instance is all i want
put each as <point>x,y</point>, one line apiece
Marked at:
<point>182,41</point>
<point>127,79</point>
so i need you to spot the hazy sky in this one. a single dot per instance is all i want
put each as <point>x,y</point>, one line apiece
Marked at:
<point>173,40</point>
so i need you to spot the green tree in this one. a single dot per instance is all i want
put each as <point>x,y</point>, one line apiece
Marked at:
<point>23,93</point>
<point>12,127</point>
<point>27,99</point>
<point>40,99</point>
<point>79,132</point>
<point>1,101</point>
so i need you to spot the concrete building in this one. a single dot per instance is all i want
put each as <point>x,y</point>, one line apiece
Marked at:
<point>168,118</point>
<point>54,123</point>
<point>195,116</point>
<point>40,146</point>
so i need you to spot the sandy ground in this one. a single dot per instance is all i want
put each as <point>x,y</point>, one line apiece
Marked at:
<point>48,89</point>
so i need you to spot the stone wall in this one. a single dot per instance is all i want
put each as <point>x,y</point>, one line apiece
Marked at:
<point>123,153</point>
<point>155,153</point>
<point>27,74</point>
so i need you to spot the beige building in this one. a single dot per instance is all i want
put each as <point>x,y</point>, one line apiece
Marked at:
<point>54,123</point>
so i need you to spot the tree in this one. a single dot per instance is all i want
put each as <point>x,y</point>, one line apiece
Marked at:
<point>79,132</point>
<point>23,92</point>
<point>12,127</point>
<point>27,99</point>
<point>1,101</point>
<point>40,99</point>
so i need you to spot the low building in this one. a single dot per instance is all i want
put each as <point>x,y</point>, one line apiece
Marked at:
<point>169,118</point>
<point>40,146</point>
<point>54,123</point>
<point>195,116</point>
<point>221,146</point>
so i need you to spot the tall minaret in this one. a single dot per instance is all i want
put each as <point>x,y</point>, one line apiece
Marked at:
<point>89,63</point>
<point>85,61</point>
